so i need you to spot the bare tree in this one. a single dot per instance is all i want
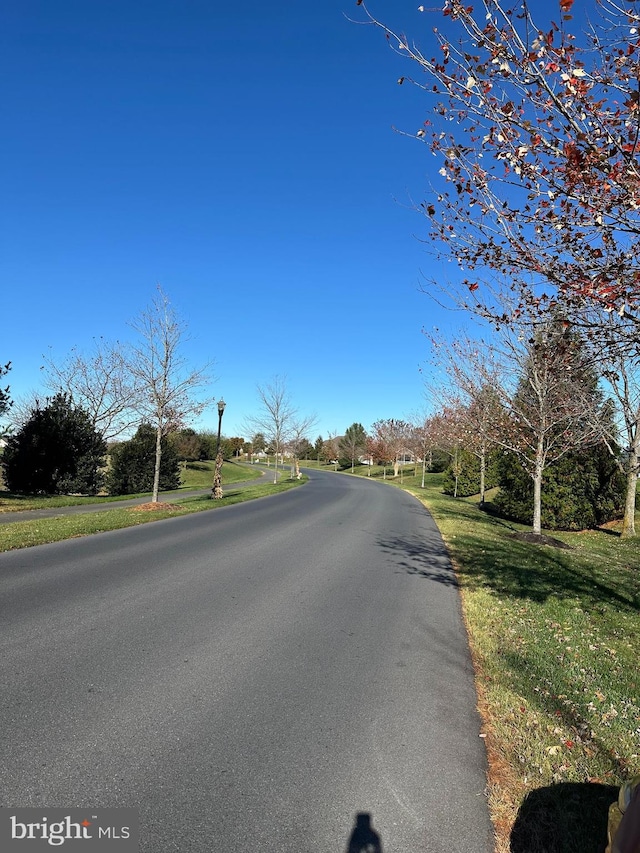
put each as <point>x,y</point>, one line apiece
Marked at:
<point>618,359</point>
<point>275,418</point>
<point>299,435</point>
<point>21,409</point>
<point>98,381</point>
<point>478,415</point>
<point>541,383</point>
<point>168,388</point>
<point>330,449</point>
<point>449,433</point>
<point>421,441</point>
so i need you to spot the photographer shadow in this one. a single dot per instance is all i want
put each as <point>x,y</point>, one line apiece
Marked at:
<point>364,838</point>
<point>569,817</point>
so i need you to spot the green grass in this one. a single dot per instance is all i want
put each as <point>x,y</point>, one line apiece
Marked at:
<point>195,475</point>
<point>199,475</point>
<point>555,636</point>
<point>22,534</point>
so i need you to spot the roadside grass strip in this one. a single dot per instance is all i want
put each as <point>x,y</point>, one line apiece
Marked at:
<point>555,638</point>
<point>23,534</point>
<point>194,475</point>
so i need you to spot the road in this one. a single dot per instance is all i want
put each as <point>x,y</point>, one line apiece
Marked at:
<point>250,679</point>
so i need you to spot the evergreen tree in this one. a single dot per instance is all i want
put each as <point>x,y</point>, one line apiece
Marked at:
<point>56,451</point>
<point>468,471</point>
<point>582,487</point>
<point>133,464</point>
<point>352,444</point>
<point>582,490</point>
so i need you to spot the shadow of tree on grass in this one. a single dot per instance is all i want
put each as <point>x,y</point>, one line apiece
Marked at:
<point>523,570</point>
<point>569,817</point>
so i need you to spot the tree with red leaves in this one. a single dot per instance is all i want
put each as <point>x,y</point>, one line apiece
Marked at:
<point>389,439</point>
<point>537,128</point>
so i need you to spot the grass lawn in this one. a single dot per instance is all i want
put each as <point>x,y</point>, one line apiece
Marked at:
<point>22,534</point>
<point>195,475</point>
<point>555,637</point>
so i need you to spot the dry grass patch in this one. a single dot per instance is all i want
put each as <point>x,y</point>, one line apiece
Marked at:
<point>158,506</point>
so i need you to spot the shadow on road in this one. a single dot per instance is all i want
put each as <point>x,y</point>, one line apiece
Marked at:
<point>364,838</point>
<point>570,817</point>
<point>415,556</point>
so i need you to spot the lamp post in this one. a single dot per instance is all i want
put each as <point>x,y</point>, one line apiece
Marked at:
<point>216,492</point>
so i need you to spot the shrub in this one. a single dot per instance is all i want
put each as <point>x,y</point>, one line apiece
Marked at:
<point>56,451</point>
<point>583,490</point>
<point>133,463</point>
<point>468,466</point>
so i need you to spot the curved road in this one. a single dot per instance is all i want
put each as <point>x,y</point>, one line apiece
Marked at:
<point>250,678</point>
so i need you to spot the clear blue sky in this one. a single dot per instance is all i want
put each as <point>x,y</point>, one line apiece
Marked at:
<point>239,154</point>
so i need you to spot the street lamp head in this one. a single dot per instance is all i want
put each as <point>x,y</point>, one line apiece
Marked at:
<point>221,405</point>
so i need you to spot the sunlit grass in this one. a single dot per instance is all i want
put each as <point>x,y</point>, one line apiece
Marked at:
<point>194,475</point>
<point>22,534</point>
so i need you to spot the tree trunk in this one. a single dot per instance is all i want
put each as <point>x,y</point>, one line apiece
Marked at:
<point>156,472</point>
<point>537,497</point>
<point>424,467</point>
<point>456,473</point>
<point>483,465</point>
<point>629,519</point>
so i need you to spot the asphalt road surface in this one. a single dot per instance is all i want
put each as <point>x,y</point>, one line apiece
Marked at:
<point>249,678</point>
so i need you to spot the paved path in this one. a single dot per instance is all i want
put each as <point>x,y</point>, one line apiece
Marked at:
<point>250,679</point>
<point>169,497</point>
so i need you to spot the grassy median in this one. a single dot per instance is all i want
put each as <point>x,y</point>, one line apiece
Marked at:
<point>193,475</point>
<point>22,534</point>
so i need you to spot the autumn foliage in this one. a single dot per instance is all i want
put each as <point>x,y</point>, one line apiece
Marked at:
<point>536,126</point>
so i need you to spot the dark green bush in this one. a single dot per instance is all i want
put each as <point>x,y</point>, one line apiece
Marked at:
<point>468,467</point>
<point>57,451</point>
<point>581,491</point>
<point>438,462</point>
<point>133,464</point>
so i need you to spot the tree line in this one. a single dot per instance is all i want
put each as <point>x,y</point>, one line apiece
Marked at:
<point>60,443</point>
<point>532,419</point>
<point>533,124</point>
